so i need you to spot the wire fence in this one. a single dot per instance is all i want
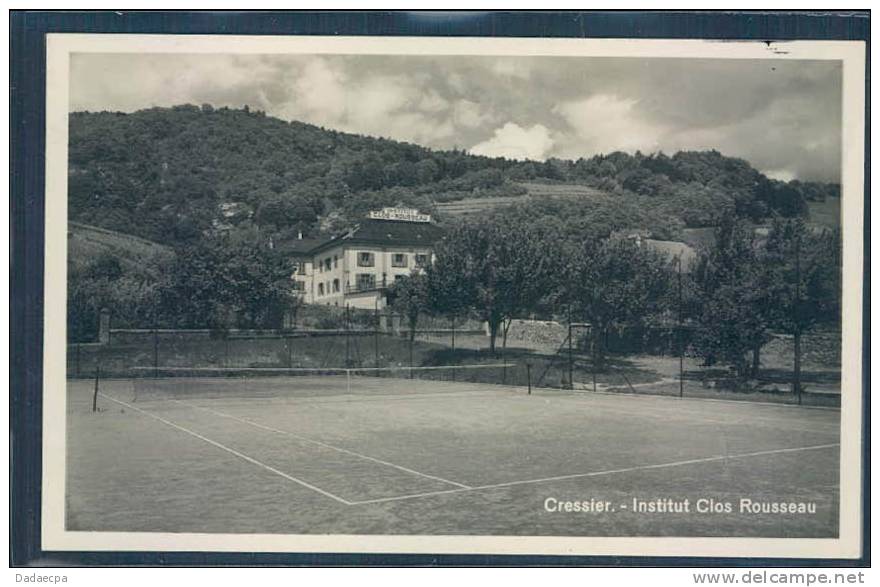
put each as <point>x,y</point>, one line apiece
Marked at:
<point>543,354</point>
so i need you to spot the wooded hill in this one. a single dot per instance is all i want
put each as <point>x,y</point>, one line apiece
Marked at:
<point>174,174</point>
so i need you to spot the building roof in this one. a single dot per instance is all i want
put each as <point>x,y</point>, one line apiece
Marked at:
<point>372,232</point>
<point>299,247</point>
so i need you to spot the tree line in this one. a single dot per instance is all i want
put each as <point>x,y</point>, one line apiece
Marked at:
<point>748,284</point>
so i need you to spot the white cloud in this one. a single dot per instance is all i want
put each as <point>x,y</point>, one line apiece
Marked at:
<point>603,123</point>
<point>567,107</point>
<point>320,92</point>
<point>515,142</point>
<point>780,174</point>
<point>470,114</point>
<point>433,102</point>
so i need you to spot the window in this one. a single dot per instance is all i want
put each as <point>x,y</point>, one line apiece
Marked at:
<point>365,281</point>
<point>299,285</point>
<point>320,289</point>
<point>366,259</point>
<point>327,263</point>
<point>421,260</point>
<point>398,260</point>
<point>299,268</point>
<point>335,286</point>
<point>335,261</point>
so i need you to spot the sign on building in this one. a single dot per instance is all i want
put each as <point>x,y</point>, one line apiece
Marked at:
<point>402,214</point>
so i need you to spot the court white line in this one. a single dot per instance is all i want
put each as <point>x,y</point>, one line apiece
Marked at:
<point>599,473</point>
<point>661,396</point>
<point>325,445</point>
<point>230,450</point>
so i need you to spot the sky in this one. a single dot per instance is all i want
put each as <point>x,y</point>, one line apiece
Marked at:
<point>783,116</point>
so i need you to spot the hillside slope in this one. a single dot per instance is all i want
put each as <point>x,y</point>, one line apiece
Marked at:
<point>174,174</point>
<point>87,244</point>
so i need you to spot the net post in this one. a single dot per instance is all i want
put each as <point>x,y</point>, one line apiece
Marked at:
<point>77,359</point>
<point>348,381</point>
<point>287,340</point>
<point>95,394</point>
<point>529,376</point>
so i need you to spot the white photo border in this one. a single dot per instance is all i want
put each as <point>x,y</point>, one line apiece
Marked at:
<point>56,538</point>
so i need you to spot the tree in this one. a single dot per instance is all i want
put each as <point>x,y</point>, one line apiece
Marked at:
<point>409,296</point>
<point>235,279</point>
<point>128,291</point>
<point>736,303</point>
<point>804,270</point>
<point>611,283</point>
<point>498,266</point>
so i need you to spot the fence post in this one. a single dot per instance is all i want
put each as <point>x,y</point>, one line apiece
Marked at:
<point>681,373</point>
<point>529,376</point>
<point>347,341</point>
<point>452,319</point>
<point>155,351</point>
<point>376,336</point>
<point>593,357</point>
<point>95,395</point>
<point>452,327</point>
<point>680,336</point>
<point>570,355</point>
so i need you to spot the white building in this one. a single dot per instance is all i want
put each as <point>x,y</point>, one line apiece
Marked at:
<point>356,267</point>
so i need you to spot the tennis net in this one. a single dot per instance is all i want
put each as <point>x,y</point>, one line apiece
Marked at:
<point>207,382</point>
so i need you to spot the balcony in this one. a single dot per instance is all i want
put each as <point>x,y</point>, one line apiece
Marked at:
<point>366,285</point>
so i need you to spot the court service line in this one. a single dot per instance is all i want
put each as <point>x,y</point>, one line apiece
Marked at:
<point>231,451</point>
<point>325,445</point>
<point>661,397</point>
<point>599,473</point>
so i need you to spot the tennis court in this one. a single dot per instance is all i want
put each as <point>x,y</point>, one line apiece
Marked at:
<point>435,452</point>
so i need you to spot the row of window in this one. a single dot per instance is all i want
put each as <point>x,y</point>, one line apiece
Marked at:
<point>367,259</point>
<point>363,282</point>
